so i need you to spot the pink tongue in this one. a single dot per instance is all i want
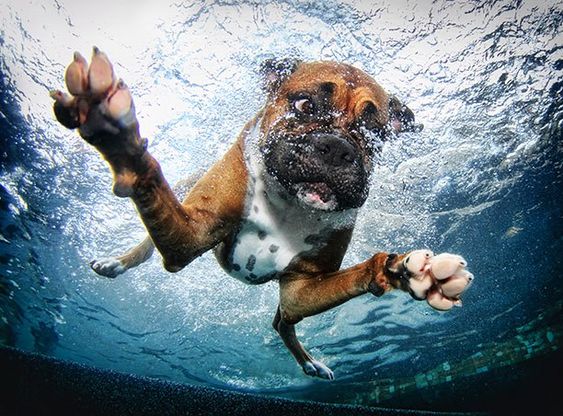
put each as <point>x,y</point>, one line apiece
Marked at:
<point>315,197</point>
<point>318,192</point>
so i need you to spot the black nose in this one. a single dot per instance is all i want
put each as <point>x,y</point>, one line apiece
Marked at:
<point>334,150</point>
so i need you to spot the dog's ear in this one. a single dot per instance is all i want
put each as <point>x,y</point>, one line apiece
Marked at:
<point>401,118</point>
<point>275,70</point>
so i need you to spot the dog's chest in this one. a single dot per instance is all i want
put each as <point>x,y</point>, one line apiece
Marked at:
<point>273,233</point>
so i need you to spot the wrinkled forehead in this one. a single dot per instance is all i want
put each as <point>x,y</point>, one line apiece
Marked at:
<point>352,86</point>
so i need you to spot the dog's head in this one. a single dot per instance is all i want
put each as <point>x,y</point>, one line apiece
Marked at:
<point>321,126</point>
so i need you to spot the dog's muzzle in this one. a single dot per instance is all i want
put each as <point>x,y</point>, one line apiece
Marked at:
<point>323,170</point>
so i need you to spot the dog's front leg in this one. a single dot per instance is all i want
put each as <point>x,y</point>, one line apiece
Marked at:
<point>102,110</point>
<point>303,295</point>
<point>306,294</point>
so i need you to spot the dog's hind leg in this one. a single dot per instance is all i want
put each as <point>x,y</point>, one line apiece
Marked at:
<point>114,266</point>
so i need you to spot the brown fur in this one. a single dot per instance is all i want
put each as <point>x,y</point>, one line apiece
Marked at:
<point>211,211</point>
<point>354,89</point>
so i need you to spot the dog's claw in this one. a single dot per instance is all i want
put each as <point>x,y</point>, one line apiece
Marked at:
<point>62,98</point>
<point>317,369</point>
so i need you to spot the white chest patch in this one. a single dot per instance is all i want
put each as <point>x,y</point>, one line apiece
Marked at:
<point>277,228</point>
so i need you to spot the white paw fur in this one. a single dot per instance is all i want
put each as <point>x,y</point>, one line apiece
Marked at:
<point>108,267</point>
<point>317,369</point>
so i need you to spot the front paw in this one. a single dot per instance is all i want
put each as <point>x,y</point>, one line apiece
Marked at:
<point>315,368</point>
<point>99,105</point>
<point>439,279</point>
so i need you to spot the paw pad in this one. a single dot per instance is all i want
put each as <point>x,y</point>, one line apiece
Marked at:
<point>93,86</point>
<point>440,279</point>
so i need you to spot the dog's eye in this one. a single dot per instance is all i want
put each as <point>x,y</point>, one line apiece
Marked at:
<point>369,117</point>
<point>304,105</point>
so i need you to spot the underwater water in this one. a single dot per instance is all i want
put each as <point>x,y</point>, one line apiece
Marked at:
<point>483,179</point>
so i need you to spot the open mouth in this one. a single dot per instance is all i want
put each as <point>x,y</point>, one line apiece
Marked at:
<point>317,195</point>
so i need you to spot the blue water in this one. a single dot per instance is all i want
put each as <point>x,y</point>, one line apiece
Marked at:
<point>483,179</point>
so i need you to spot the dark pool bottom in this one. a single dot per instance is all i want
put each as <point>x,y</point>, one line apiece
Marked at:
<point>40,385</point>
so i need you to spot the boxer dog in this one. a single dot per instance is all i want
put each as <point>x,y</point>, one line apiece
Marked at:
<point>281,204</point>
